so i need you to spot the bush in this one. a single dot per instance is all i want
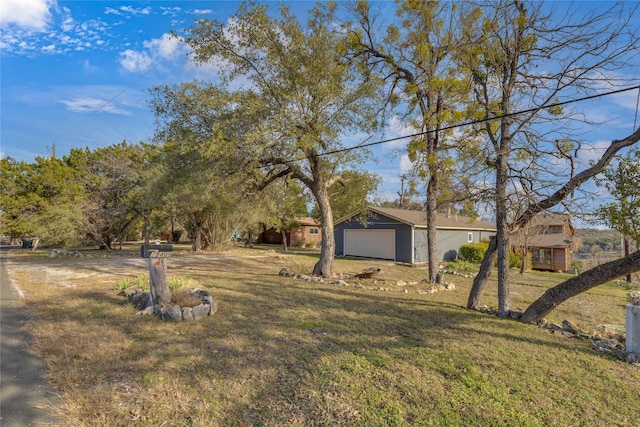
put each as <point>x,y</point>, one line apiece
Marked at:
<point>460,265</point>
<point>578,265</point>
<point>473,252</point>
<point>174,283</point>
<point>515,260</point>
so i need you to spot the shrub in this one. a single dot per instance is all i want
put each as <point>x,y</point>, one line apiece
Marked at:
<point>174,283</point>
<point>473,252</point>
<point>461,265</point>
<point>515,260</point>
<point>140,281</point>
<point>578,265</point>
<point>178,282</point>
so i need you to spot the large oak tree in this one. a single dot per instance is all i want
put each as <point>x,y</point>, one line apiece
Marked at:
<point>298,93</point>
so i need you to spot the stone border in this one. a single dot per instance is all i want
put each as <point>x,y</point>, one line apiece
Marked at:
<point>142,301</point>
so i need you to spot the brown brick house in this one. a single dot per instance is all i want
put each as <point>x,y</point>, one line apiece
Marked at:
<point>306,233</point>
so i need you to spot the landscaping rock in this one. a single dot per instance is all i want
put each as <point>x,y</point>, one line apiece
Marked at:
<point>213,307</point>
<point>187,313</point>
<point>173,313</point>
<point>147,311</point>
<point>620,354</point>
<point>515,314</point>
<point>569,326</point>
<point>632,358</point>
<point>131,290</point>
<point>200,311</point>
<point>141,300</point>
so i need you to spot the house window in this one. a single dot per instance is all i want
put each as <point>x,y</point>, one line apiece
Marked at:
<point>541,256</point>
<point>313,230</point>
<point>470,237</point>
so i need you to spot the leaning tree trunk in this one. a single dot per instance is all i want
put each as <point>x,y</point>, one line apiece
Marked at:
<point>483,275</point>
<point>579,284</point>
<point>523,262</point>
<point>324,266</point>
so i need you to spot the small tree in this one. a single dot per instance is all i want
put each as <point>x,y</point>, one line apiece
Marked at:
<point>623,215</point>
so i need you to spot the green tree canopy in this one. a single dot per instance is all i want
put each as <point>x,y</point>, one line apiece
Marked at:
<point>294,98</point>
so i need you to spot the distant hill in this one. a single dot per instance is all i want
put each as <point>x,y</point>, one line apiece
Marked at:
<point>597,243</point>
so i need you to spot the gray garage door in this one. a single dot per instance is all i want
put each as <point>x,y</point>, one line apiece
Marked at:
<point>370,243</point>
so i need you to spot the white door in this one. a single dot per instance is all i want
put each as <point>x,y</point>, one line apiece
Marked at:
<point>370,243</point>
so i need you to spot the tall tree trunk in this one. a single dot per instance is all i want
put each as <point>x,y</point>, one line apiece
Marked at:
<point>284,238</point>
<point>626,252</point>
<point>324,266</point>
<point>197,233</point>
<point>432,245</point>
<point>502,235</point>
<point>579,284</point>
<point>523,263</point>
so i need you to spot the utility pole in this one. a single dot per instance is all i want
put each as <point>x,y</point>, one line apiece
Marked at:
<point>401,200</point>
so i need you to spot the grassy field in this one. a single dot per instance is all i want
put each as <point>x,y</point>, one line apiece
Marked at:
<point>281,351</point>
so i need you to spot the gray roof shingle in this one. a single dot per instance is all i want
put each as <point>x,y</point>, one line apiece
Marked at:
<point>419,219</point>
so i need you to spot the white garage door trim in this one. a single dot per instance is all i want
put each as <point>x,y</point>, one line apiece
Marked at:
<point>370,243</point>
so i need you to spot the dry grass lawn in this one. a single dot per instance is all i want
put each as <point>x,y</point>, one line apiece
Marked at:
<point>281,351</point>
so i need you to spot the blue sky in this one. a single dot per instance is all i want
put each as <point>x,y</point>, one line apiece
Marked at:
<point>77,74</point>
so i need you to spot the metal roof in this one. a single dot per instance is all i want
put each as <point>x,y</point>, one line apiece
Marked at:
<point>419,219</point>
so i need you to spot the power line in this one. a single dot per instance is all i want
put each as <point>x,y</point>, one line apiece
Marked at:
<point>469,123</point>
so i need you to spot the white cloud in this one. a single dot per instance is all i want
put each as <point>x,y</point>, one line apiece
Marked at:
<point>405,164</point>
<point>92,105</point>
<point>156,51</point>
<point>164,46</point>
<point>134,61</point>
<point>27,14</point>
<point>202,11</point>
<point>172,11</point>
<point>397,128</point>
<point>135,11</point>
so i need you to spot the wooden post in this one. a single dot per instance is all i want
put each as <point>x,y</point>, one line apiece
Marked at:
<point>160,293</point>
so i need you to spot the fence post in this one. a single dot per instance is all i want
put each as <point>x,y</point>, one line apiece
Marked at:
<point>633,329</point>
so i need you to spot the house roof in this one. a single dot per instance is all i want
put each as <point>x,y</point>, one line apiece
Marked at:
<point>419,219</point>
<point>548,241</point>
<point>542,232</point>
<point>308,221</point>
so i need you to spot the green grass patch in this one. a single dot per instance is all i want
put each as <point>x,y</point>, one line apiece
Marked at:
<point>174,282</point>
<point>281,351</point>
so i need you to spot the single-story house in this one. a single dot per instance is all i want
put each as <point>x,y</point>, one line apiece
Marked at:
<point>549,238</point>
<point>401,235</point>
<point>307,232</point>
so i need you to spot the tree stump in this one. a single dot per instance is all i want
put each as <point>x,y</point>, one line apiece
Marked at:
<point>160,293</point>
